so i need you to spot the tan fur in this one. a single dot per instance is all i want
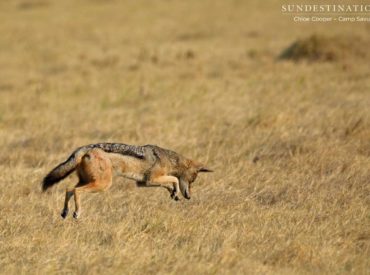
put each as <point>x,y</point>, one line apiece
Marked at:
<point>158,168</point>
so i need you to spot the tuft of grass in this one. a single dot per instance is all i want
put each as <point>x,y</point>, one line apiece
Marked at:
<point>326,48</point>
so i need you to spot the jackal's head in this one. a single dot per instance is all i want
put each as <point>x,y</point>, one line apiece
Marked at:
<point>189,175</point>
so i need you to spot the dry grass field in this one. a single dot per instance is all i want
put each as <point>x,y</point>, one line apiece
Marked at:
<point>289,140</point>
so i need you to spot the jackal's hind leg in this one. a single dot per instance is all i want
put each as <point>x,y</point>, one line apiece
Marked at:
<point>69,194</point>
<point>90,187</point>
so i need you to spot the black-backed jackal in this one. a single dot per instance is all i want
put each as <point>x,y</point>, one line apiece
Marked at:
<point>149,166</point>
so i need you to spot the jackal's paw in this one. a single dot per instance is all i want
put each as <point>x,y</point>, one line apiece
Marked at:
<point>174,196</point>
<point>76,215</point>
<point>64,213</point>
<point>140,183</point>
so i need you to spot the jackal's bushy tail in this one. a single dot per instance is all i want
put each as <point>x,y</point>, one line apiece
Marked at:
<point>65,168</point>
<point>60,172</point>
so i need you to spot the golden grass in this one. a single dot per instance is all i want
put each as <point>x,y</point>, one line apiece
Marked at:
<point>289,142</point>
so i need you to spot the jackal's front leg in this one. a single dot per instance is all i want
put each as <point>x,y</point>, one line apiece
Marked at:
<point>171,180</point>
<point>167,186</point>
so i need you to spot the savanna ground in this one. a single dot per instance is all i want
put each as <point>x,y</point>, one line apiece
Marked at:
<point>289,141</point>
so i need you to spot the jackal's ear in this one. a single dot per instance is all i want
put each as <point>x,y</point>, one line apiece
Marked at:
<point>204,169</point>
<point>200,167</point>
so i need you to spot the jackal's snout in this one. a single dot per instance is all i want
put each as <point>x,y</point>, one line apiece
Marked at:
<point>185,189</point>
